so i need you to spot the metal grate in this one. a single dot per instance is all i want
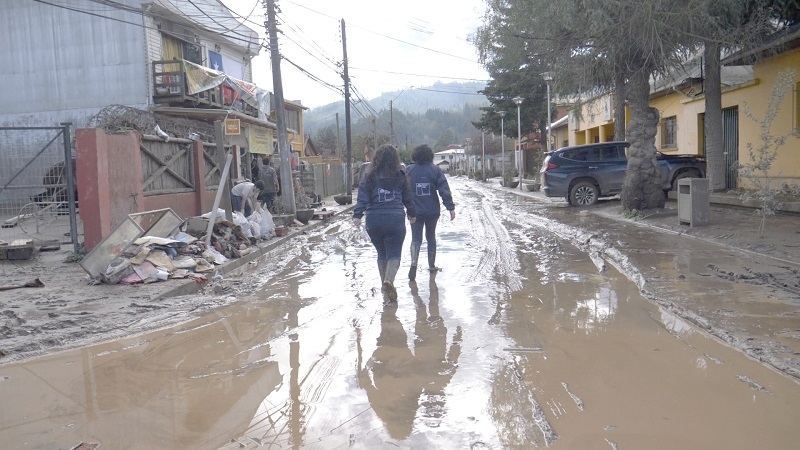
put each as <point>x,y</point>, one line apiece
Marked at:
<point>34,180</point>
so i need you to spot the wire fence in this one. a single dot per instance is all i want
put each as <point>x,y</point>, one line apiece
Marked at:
<point>35,181</point>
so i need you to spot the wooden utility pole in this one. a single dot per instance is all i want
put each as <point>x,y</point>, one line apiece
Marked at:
<point>374,135</point>
<point>338,138</point>
<point>391,123</point>
<point>223,199</point>
<point>349,166</point>
<point>287,183</point>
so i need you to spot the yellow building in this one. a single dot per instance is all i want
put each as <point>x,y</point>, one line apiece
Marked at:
<point>747,84</point>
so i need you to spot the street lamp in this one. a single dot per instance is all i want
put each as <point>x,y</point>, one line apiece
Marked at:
<point>469,148</point>
<point>548,77</point>
<point>503,141</point>
<point>483,155</point>
<point>518,101</point>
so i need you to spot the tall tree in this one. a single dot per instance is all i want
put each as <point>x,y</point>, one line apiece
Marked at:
<point>326,139</point>
<point>592,43</point>
<point>732,25</point>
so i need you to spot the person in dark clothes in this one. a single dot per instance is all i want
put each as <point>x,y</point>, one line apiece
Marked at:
<point>428,183</point>
<point>384,195</point>
<point>269,176</point>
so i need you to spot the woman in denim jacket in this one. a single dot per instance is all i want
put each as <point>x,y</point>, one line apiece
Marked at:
<point>428,183</point>
<point>384,195</point>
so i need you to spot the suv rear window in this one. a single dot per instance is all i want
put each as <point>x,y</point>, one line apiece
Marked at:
<point>611,153</point>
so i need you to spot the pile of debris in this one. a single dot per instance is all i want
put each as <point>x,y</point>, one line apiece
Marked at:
<point>189,253</point>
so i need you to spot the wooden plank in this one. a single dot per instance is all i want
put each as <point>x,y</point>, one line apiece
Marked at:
<point>322,214</point>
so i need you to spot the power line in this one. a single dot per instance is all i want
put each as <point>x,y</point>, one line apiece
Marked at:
<point>385,36</point>
<point>418,75</point>
<point>312,76</point>
<point>139,12</point>
<point>450,92</point>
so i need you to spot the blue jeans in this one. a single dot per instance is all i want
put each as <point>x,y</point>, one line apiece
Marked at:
<point>429,223</point>
<point>236,205</point>
<point>387,233</point>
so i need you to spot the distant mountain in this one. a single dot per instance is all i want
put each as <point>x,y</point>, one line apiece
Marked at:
<point>413,101</point>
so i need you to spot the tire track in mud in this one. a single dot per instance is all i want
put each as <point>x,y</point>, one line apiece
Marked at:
<point>494,245</point>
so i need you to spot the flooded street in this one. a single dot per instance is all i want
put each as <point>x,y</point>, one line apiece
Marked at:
<point>522,341</point>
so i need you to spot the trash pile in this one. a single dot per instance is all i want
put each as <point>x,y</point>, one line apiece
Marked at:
<point>188,253</point>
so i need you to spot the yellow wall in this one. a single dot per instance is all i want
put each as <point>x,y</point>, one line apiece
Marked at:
<point>596,122</point>
<point>786,167</point>
<point>561,136</point>
<point>753,96</point>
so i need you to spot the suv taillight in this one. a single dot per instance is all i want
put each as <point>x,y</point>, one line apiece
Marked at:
<point>549,166</point>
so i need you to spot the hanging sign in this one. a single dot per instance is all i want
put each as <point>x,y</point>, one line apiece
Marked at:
<point>233,127</point>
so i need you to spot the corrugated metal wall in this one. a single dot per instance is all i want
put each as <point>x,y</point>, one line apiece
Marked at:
<point>68,63</point>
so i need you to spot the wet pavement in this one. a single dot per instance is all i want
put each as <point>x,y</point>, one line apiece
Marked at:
<point>540,331</point>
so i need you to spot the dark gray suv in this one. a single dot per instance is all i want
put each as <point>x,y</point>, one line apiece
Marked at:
<point>584,173</point>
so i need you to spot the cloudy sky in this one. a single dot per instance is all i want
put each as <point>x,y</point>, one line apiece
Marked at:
<point>391,46</point>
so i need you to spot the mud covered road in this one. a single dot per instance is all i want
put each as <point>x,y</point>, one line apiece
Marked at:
<point>531,336</point>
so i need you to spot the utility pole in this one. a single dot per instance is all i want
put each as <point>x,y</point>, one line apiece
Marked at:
<point>374,135</point>
<point>338,138</point>
<point>287,183</point>
<point>346,77</point>
<point>391,123</point>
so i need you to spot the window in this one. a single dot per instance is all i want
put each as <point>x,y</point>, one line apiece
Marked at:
<point>669,132</point>
<point>172,47</point>
<point>612,154</point>
<point>292,119</point>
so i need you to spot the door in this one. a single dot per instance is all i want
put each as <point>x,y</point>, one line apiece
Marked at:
<point>730,144</point>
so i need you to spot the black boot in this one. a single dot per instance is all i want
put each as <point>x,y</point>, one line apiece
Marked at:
<point>432,260</point>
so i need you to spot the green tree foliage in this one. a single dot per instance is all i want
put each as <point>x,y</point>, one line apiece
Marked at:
<point>326,140</point>
<point>589,44</point>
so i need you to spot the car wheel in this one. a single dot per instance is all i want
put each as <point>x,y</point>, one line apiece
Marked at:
<point>583,193</point>
<point>682,175</point>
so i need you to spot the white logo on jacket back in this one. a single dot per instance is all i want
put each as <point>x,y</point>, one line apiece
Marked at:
<point>384,195</point>
<point>423,189</point>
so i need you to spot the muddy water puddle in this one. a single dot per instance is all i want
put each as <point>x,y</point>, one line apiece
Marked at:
<point>520,342</point>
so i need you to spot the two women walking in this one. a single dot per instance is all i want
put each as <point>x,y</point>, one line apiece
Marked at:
<point>387,194</point>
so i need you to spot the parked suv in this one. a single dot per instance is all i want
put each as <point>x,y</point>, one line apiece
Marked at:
<point>584,173</point>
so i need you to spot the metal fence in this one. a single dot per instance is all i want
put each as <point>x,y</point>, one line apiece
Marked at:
<point>38,195</point>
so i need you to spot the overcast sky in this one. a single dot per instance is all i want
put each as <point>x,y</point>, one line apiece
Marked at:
<point>391,46</point>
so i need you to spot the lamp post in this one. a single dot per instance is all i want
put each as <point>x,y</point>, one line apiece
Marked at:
<point>483,155</point>
<point>469,148</point>
<point>503,141</point>
<point>548,77</point>
<point>518,101</point>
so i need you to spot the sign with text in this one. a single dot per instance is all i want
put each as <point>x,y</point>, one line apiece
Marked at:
<point>260,140</point>
<point>233,127</point>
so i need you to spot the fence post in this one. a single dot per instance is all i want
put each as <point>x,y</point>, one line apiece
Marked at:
<point>69,172</point>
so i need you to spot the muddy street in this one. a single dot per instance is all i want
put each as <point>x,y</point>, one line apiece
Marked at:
<point>523,340</point>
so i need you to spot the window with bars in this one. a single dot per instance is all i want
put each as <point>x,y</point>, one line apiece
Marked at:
<point>669,132</point>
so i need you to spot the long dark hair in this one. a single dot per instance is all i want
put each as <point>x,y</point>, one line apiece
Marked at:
<point>385,163</point>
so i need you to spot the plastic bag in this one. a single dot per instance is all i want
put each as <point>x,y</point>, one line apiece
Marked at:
<point>364,234</point>
<point>267,225</point>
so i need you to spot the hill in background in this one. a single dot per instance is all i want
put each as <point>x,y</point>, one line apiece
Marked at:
<point>438,115</point>
<point>440,96</point>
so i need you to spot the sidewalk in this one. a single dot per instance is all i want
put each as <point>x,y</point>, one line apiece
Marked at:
<point>58,275</point>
